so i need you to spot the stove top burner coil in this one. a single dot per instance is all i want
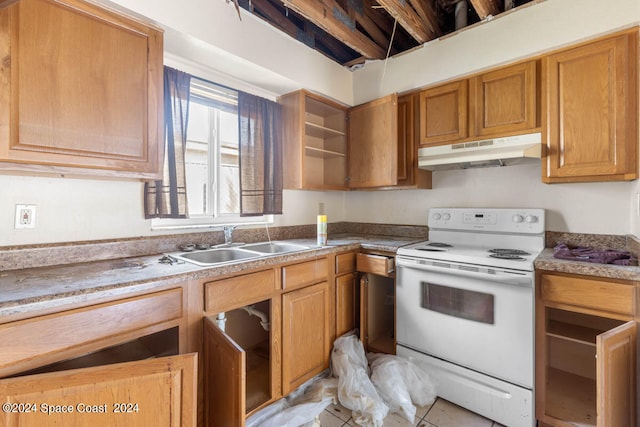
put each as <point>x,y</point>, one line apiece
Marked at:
<point>439,245</point>
<point>508,252</point>
<point>507,256</point>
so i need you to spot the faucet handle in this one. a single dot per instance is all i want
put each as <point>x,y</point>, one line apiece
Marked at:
<point>228,233</point>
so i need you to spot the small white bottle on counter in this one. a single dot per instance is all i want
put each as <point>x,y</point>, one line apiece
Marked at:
<point>322,230</point>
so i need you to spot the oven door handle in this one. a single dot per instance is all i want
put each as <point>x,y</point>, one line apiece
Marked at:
<point>484,273</point>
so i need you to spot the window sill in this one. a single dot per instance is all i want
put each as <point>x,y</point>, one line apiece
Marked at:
<point>158,224</point>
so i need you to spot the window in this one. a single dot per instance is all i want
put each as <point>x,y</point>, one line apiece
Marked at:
<point>211,159</point>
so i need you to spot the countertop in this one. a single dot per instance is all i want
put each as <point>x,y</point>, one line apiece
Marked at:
<point>44,288</point>
<point>546,261</point>
<point>34,289</point>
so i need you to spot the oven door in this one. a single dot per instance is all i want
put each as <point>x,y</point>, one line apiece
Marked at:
<point>477,317</point>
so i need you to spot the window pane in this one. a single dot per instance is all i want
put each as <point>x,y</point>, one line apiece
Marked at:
<point>229,187</point>
<point>197,159</point>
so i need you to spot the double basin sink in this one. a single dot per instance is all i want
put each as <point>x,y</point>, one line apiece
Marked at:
<point>220,255</point>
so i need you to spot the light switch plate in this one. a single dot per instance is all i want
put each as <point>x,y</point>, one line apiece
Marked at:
<point>25,216</point>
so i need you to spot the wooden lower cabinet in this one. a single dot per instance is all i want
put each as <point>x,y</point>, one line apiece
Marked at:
<point>306,334</point>
<point>377,302</point>
<point>346,293</point>
<point>158,392</point>
<point>66,362</point>
<point>585,356</point>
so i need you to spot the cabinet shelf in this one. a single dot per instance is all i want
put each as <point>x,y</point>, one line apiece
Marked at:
<point>571,397</point>
<point>571,332</point>
<point>319,131</point>
<point>321,152</point>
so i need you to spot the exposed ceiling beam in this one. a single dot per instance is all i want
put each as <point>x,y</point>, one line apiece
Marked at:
<point>328,15</point>
<point>370,26</point>
<point>274,16</point>
<point>408,18</point>
<point>427,12</point>
<point>485,8</point>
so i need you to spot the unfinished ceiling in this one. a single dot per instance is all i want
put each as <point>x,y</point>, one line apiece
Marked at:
<point>352,31</point>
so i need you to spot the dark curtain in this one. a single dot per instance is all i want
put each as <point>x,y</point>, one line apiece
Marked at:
<point>167,198</point>
<point>260,130</point>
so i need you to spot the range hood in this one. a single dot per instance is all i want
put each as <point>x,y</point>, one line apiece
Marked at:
<point>490,152</point>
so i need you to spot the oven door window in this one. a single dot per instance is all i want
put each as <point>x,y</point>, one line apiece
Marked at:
<point>462,303</point>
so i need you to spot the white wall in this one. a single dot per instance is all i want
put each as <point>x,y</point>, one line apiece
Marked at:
<point>253,57</point>
<point>579,208</point>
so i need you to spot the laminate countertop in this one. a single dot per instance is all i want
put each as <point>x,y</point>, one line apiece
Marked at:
<point>44,288</point>
<point>546,261</point>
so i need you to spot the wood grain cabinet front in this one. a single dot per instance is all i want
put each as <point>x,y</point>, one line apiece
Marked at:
<point>586,351</point>
<point>383,145</point>
<point>82,94</point>
<point>66,363</point>
<point>591,102</point>
<point>501,102</point>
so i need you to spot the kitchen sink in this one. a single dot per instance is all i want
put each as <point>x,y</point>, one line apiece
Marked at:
<point>220,255</point>
<point>216,256</point>
<point>275,247</point>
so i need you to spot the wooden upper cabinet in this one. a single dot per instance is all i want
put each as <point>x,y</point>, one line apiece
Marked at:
<point>383,144</point>
<point>315,142</point>
<point>504,101</point>
<point>373,143</point>
<point>444,113</point>
<point>80,90</point>
<point>591,98</point>
<point>500,102</point>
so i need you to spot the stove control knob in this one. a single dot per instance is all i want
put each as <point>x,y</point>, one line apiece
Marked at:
<point>518,218</point>
<point>446,216</point>
<point>531,219</point>
<point>437,216</point>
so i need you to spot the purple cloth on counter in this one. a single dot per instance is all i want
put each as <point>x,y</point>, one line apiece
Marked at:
<point>600,256</point>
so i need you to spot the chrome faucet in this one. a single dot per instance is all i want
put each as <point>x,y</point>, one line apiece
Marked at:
<point>228,234</point>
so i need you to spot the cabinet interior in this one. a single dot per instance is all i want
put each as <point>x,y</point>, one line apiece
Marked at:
<point>248,333</point>
<point>325,144</point>
<point>571,364</point>
<point>159,344</point>
<point>381,314</point>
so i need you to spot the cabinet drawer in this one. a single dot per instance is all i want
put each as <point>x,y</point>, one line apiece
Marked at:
<point>228,294</point>
<point>45,336</point>
<point>306,273</point>
<point>345,263</point>
<point>595,294</point>
<point>376,264</point>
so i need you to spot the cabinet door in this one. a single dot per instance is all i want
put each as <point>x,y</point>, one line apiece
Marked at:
<point>84,91</point>
<point>373,143</point>
<point>444,113</point>
<point>592,112</point>
<point>155,392</point>
<point>345,303</point>
<point>616,376</point>
<point>505,100</point>
<point>306,342</point>
<point>224,378</point>
<point>408,172</point>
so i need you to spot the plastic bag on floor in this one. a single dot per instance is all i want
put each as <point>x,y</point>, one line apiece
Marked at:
<point>355,390</point>
<point>300,408</point>
<point>303,414</point>
<point>401,383</point>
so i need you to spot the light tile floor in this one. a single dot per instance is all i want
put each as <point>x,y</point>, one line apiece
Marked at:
<point>440,414</point>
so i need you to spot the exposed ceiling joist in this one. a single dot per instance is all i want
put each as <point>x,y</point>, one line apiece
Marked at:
<point>328,15</point>
<point>485,8</point>
<point>427,12</point>
<point>408,18</point>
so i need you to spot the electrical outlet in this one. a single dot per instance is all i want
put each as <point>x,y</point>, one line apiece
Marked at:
<point>25,216</point>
